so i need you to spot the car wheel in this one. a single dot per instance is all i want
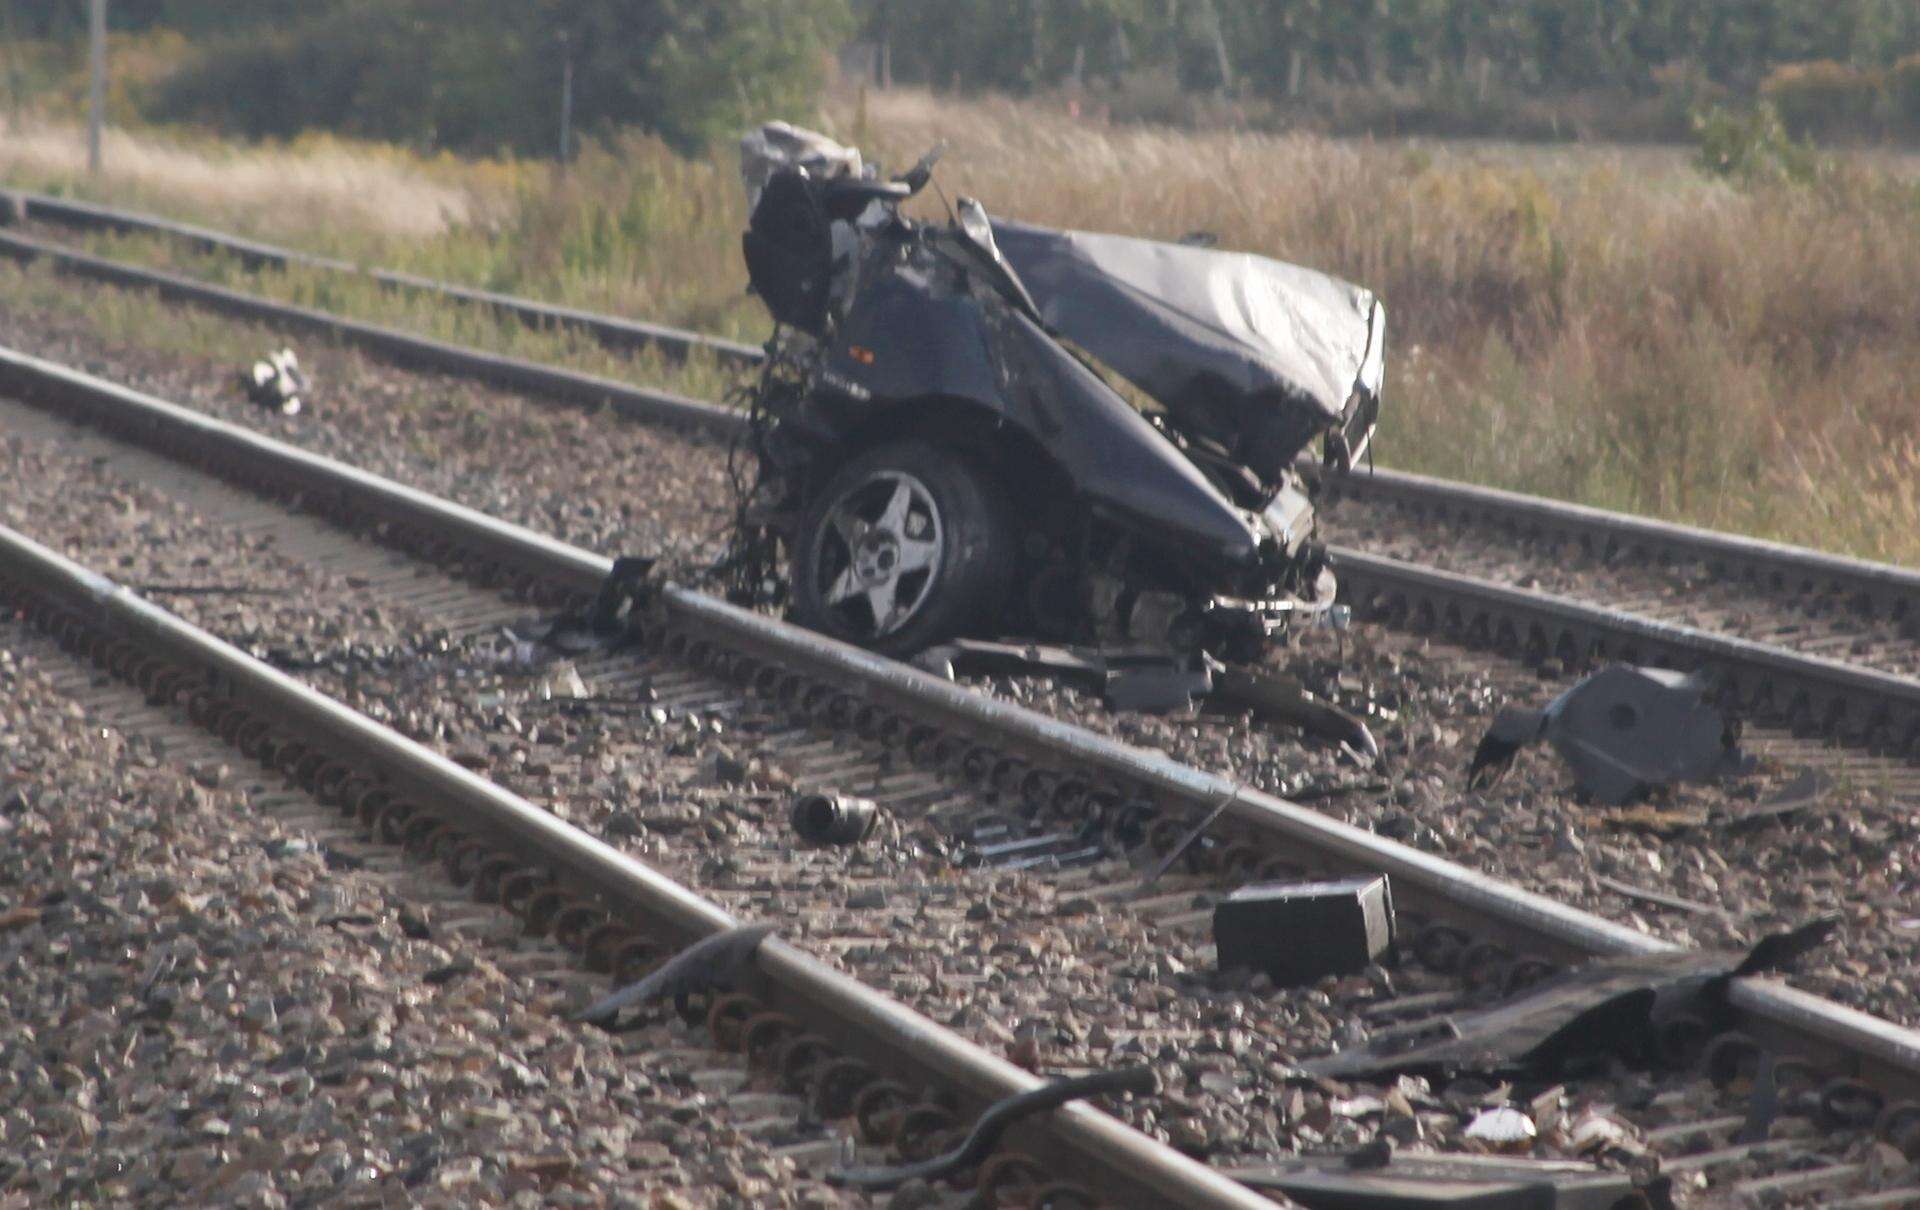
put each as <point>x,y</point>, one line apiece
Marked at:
<point>905,547</point>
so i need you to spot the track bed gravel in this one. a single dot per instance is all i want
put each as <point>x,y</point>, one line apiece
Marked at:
<point>591,479</point>
<point>1037,955</point>
<point>209,1001</point>
<point>1689,593</point>
<point>615,486</point>
<point>1066,971</point>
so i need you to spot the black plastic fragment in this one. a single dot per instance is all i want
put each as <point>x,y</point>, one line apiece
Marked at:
<point>994,1122</point>
<point>623,588</point>
<point>838,819</point>
<point>1298,932</point>
<point>1608,1008</point>
<point>1284,699</point>
<point>1152,682</point>
<point>715,962</point>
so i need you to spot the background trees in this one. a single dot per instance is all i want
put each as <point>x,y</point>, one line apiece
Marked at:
<point>1279,49</point>
<point>484,75</point>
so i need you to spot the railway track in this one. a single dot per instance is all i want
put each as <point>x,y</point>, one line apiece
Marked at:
<point>945,758</point>
<point>1646,586</point>
<point>1811,652</point>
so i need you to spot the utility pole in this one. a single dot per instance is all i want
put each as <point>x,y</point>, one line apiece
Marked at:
<point>566,101</point>
<point>97,107</point>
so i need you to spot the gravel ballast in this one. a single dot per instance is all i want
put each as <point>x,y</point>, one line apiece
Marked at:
<point>524,460</point>
<point>210,1001</point>
<point>1050,972</point>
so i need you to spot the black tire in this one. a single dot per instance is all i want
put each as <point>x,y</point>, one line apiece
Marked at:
<point>964,583</point>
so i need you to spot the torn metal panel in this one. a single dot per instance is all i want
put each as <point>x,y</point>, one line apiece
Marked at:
<point>1260,354</point>
<point>776,147</point>
<point>1622,730</point>
<point>1154,682</point>
<point>716,961</point>
<point>1448,1182</point>
<point>1614,1006</point>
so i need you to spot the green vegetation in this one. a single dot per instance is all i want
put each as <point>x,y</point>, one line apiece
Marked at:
<point>1525,68</point>
<point>483,77</point>
<point>474,76</point>
<point>698,375</point>
<point>1753,147</point>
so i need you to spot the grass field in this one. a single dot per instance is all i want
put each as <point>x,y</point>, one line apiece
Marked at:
<point>1599,324</point>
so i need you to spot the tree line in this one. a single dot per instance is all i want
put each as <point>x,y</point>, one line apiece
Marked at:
<point>487,75</point>
<point>473,75</point>
<point>1277,47</point>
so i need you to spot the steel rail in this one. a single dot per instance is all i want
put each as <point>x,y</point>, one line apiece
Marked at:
<point>567,386</point>
<point>1864,1046</point>
<point>1833,695</point>
<point>1865,706</point>
<point>1886,588</point>
<point>1118,1161</point>
<point>611,331</point>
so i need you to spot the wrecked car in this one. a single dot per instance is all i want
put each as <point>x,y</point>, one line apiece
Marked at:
<point>940,449</point>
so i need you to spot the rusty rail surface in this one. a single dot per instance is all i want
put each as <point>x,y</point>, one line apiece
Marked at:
<point>711,630</point>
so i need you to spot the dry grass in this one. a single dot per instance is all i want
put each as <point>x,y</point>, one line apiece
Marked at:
<point>316,184</point>
<point>1598,324</point>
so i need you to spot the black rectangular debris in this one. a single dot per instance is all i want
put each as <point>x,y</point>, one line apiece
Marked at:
<point>1299,932</point>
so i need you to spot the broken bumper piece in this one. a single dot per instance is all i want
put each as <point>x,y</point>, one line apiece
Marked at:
<point>1622,730</point>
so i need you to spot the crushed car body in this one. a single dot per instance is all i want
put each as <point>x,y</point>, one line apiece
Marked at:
<point>941,452</point>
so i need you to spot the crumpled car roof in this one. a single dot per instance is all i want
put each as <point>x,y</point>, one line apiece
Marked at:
<point>1177,321</point>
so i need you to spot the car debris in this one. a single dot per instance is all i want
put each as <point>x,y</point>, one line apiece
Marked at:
<point>1629,1007</point>
<point>1146,680</point>
<point>1623,730</point>
<point>1156,682</point>
<point>1452,1182</point>
<point>1296,933</point>
<point>995,843</point>
<point>1503,1128</point>
<point>939,460</point>
<point>275,382</point>
<point>987,1129</point>
<point>833,819</point>
<point>1806,790</point>
<point>715,961</point>
<point>1283,697</point>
